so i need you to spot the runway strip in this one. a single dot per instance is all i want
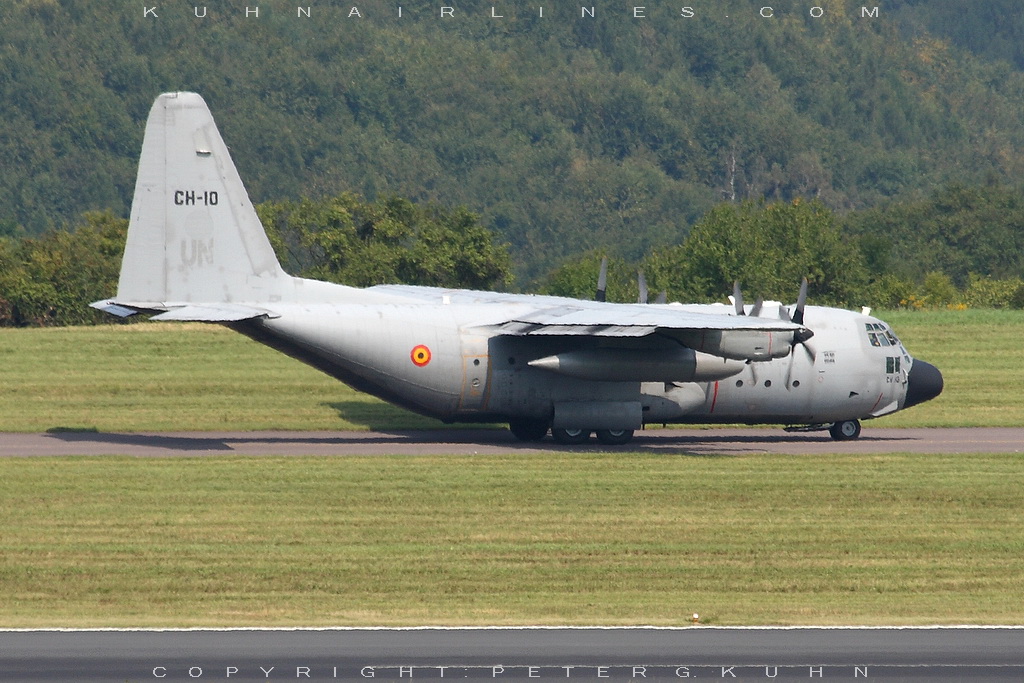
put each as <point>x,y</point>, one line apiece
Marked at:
<point>500,441</point>
<point>562,654</point>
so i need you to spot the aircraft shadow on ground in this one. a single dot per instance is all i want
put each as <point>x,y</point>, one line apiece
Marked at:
<point>696,443</point>
<point>382,417</point>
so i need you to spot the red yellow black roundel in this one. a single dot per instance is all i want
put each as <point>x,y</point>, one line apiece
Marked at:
<point>420,355</point>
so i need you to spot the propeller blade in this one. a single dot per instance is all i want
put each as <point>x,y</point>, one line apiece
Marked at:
<point>811,353</point>
<point>811,358</point>
<point>641,283</point>
<point>602,281</point>
<point>798,314</point>
<point>737,298</point>
<point>789,369</point>
<point>755,312</point>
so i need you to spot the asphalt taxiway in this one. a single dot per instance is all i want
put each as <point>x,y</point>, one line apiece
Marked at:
<point>503,654</point>
<point>731,441</point>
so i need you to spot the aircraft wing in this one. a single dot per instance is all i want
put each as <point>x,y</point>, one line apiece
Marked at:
<point>631,321</point>
<point>727,336</point>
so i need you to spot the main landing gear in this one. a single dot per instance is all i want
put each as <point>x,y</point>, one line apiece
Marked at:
<point>528,430</point>
<point>609,437</point>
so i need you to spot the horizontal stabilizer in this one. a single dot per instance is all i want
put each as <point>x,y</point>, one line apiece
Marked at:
<point>215,313</point>
<point>110,307</point>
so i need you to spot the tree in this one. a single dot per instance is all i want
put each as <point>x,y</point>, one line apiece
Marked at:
<point>392,240</point>
<point>50,280</point>
<point>768,248</point>
<point>578,279</point>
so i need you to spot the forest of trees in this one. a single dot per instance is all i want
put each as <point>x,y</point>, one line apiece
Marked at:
<point>563,137</point>
<point>767,246</point>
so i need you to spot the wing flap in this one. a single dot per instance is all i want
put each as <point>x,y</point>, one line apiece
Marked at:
<point>523,329</point>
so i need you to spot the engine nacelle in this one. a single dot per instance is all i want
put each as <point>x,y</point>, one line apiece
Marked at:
<point>741,344</point>
<point>640,365</point>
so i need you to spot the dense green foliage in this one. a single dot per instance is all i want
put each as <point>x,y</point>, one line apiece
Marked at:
<point>899,256</point>
<point>565,134</point>
<point>990,29</point>
<point>348,240</point>
<point>50,280</point>
<point>768,248</point>
<point>960,248</point>
<point>958,231</point>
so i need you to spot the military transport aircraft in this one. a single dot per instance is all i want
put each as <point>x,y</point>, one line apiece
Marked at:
<point>197,251</point>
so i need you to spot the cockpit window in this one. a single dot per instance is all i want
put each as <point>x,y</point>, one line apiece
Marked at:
<point>879,335</point>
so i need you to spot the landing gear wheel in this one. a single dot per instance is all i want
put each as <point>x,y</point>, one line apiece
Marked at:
<point>846,430</point>
<point>526,429</point>
<point>614,437</point>
<point>570,437</point>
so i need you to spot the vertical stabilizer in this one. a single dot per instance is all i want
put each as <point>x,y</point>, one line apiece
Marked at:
<point>194,235</point>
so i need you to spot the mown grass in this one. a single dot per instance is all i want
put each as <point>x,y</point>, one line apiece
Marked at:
<point>554,538</point>
<point>182,377</point>
<point>526,539</point>
<point>154,376</point>
<point>980,355</point>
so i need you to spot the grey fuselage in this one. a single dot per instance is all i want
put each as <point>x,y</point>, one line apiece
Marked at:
<point>853,368</point>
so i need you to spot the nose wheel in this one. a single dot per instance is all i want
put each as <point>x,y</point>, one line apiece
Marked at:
<point>846,430</point>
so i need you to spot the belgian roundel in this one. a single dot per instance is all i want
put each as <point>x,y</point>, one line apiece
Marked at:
<point>420,355</point>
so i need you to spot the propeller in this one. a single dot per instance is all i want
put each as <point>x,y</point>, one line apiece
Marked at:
<point>602,281</point>
<point>796,316</point>
<point>644,291</point>
<point>737,300</point>
<point>802,336</point>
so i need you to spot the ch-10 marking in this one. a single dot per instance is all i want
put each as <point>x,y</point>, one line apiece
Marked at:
<point>195,198</point>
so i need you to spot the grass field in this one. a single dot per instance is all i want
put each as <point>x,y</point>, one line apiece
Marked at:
<point>556,538</point>
<point>178,377</point>
<point>524,539</point>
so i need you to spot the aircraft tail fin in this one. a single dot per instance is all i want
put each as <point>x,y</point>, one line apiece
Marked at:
<point>194,235</point>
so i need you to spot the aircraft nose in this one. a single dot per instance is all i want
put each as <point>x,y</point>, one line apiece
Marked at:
<point>923,383</point>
